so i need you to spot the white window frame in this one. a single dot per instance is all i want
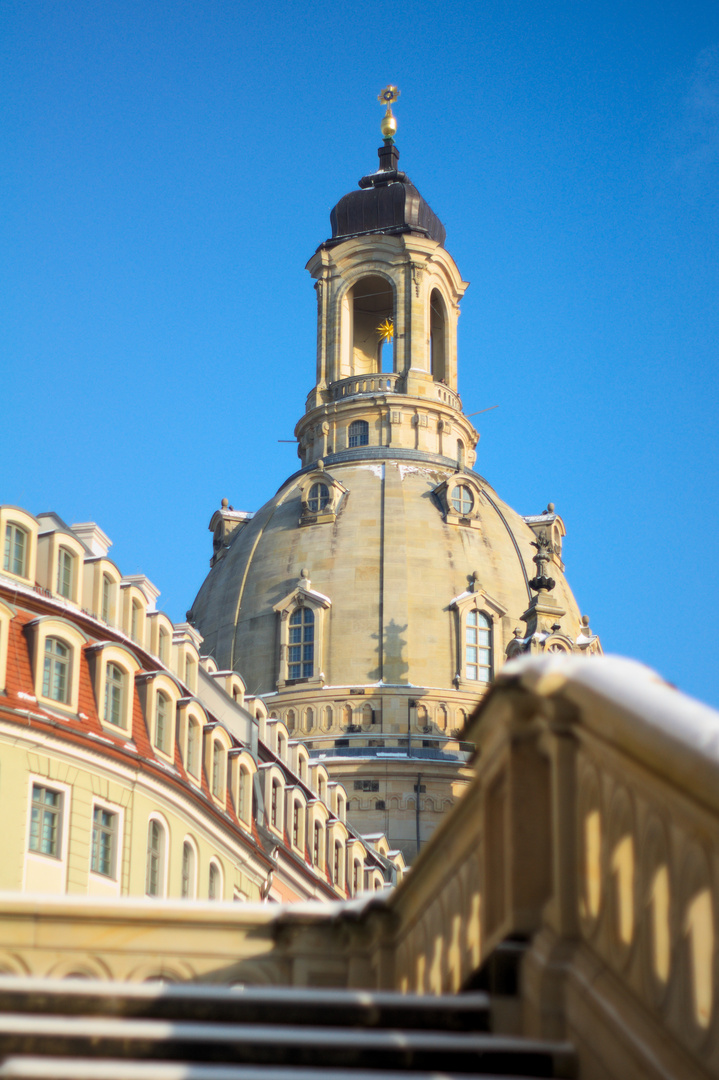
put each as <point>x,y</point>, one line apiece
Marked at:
<point>40,630</point>
<point>319,605</point>
<point>163,856</point>
<point>14,516</point>
<point>216,865</point>
<point>46,864</point>
<point>119,812</point>
<point>191,843</point>
<point>481,602</point>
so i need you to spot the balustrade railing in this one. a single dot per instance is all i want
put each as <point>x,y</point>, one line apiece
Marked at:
<point>591,829</point>
<point>377,383</point>
<point>590,832</point>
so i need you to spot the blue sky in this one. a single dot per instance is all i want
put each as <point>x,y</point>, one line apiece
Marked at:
<point>168,169</point>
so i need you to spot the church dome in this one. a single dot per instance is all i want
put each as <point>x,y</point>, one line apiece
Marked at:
<point>373,599</point>
<point>409,544</point>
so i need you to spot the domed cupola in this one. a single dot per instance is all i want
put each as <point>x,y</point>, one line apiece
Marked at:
<point>370,602</point>
<point>387,202</point>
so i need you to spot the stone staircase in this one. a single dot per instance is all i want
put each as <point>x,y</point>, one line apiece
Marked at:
<point>85,1030</point>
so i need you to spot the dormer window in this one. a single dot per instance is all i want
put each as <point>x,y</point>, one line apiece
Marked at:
<point>164,646</point>
<point>193,747</point>
<point>114,692</point>
<point>217,770</point>
<point>477,618</point>
<point>320,495</point>
<point>135,620</point>
<point>162,722</point>
<point>65,563</point>
<point>462,499</point>
<point>106,597</point>
<point>319,498</point>
<point>56,671</point>
<point>16,547</point>
<point>301,650</point>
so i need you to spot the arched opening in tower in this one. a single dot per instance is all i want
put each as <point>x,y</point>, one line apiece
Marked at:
<point>372,306</point>
<point>437,336</point>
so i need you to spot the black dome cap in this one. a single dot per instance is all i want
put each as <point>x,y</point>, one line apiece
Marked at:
<point>387,202</point>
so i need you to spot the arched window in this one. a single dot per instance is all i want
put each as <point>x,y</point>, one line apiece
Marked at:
<point>155,858</point>
<point>275,804</point>
<point>217,759</point>
<point>372,305</point>
<point>347,715</point>
<point>359,433</point>
<point>442,718</point>
<point>162,722</point>
<point>190,671</point>
<point>297,838</point>
<point>135,620</point>
<point>328,717</point>
<point>478,647</point>
<point>367,716</point>
<point>318,498</point>
<point>462,499</point>
<point>337,863</point>
<point>460,453</point>
<point>164,646</point>
<point>114,695</point>
<point>282,742</point>
<point>64,573</point>
<point>437,335</point>
<point>290,721</point>
<point>317,846</point>
<point>215,884</point>
<point>56,672</point>
<point>245,808</point>
<point>309,719</point>
<point>15,555</point>
<point>356,878</point>
<point>193,747</point>
<point>341,807</point>
<point>188,871</point>
<point>106,597</point>
<point>301,650</point>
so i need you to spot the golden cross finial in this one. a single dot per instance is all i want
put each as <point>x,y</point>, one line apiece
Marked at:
<point>388,96</point>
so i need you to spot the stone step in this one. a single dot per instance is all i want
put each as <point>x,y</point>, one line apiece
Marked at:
<point>313,1047</point>
<point>249,1005</point>
<point>53,1068</point>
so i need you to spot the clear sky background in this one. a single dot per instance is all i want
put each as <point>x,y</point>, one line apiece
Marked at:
<point>169,167</point>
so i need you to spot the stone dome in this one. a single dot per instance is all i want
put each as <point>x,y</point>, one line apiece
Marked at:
<point>394,570</point>
<point>372,600</point>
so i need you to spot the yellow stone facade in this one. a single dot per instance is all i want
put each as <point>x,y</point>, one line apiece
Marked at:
<point>374,597</point>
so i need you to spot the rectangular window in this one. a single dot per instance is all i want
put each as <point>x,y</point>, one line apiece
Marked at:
<point>64,573</point>
<point>104,841</point>
<point>15,546</point>
<point>56,671</point>
<point>45,820</point>
<point>366,785</point>
<point>217,770</point>
<point>114,695</point>
<point>106,590</point>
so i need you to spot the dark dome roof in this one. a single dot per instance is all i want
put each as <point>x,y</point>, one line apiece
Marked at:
<point>387,202</point>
